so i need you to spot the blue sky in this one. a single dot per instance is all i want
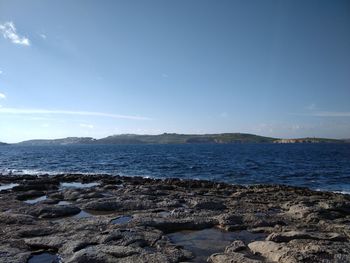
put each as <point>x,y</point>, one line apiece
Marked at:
<point>96,68</point>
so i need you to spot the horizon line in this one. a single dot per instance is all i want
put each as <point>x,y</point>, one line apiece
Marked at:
<point>143,134</point>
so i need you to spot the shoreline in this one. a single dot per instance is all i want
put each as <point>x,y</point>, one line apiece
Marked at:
<point>41,174</point>
<point>134,219</point>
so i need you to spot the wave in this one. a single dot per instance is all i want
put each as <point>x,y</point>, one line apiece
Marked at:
<point>342,192</point>
<point>334,191</point>
<point>35,172</point>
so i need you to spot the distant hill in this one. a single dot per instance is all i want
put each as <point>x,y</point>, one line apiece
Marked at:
<point>3,144</point>
<point>174,138</point>
<point>64,141</point>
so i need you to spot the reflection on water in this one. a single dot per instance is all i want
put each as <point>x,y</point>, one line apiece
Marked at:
<point>82,214</point>
<point>78,185</point>
<point>206,242</point>
<point>64,203</point>
<point>7,186</point>
<point>36,200</point>
<point>121,220</point>
<point>44,258</point>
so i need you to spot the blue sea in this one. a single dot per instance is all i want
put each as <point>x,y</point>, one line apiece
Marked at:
<point>317,166</point>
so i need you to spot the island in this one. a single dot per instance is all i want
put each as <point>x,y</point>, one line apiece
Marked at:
<point>174,138</point>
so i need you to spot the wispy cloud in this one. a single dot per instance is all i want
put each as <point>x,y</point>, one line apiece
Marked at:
<point>1,72</point>
<point>67,112</point>
<point>331,114</point>
<point>43,36</point>
<point>8,31</point>
<point>88,126</point>
<point>2,96</point>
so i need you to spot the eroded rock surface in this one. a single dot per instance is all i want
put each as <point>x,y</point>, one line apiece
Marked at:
<point>123,219</point>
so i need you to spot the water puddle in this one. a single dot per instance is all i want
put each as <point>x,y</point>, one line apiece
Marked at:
<point>64,203</point>
<point>206,242</point>
<point>83,214</point>
<point>36,200</point>
<point>121,220</point>
<point>7,186</point>
<point>164,214</point>
<point>44,258</point>
<point>78,185</point>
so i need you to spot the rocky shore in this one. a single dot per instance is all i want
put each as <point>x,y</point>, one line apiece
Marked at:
<point>99,218</point>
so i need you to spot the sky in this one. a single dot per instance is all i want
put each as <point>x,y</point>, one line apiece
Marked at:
<point>97,68</point>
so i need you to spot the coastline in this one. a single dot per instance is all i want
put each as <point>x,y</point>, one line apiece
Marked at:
<point>132,219</point>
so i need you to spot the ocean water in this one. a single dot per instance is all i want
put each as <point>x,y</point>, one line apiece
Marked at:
<point>318,166</point>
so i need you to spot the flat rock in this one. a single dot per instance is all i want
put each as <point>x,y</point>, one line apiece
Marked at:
<point>232,258</point>
<point>235,246</point>
<point>301,225</point>
<point>14,218</point>
<point>275,252</point>
<point>55,211</point>
<point>290,235</point>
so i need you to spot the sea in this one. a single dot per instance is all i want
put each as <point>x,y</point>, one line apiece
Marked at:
<point>324,167</point>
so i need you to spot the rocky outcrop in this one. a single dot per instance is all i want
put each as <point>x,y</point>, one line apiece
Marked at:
<point>123,219</point>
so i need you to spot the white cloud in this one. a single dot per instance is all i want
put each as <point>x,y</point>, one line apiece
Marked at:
<point>43,36</point>
<point>331,114</point>
<point>88,126</point>
<point>2,96</point>
<point>8,31</point>
<point>1,72</point>
<point>67,112</point>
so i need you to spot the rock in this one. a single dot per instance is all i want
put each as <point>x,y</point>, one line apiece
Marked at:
<point>103,254</point>
<point>172,224</point>
<point>36,232</point>
<point>12,218</point>
<point>10,254</point>
<point>230,219</point>
<point>55,211</point>
<point>288,236</point>
<point>342,206</point>
<point>29,195</point>
<point>111,205</point>
<point>56,196</point>
<point>208,205</point>
<point>302,250</point>
<point>160,207</point>
<point>231,258</point>
<point>235,246</point>
<point>44,243</point>
<point>299,211</point>
<point>272,251</point>
<point>35,186</point>
<point>71,195</point>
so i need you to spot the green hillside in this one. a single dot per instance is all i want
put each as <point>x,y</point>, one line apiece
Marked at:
<point>173,138</point>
